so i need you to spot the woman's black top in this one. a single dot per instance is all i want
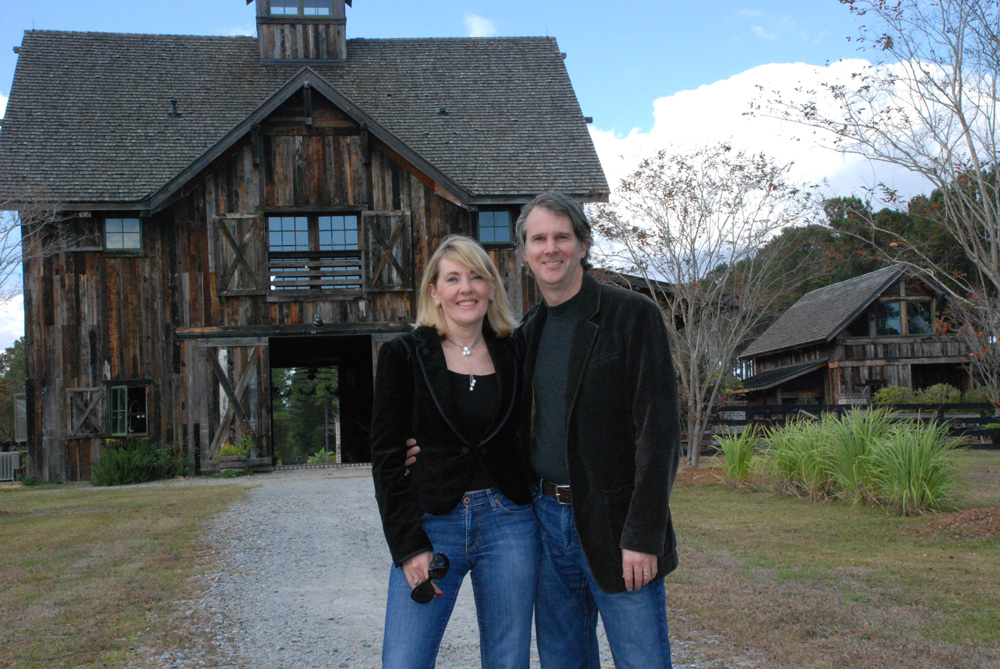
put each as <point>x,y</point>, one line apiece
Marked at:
<point>476,410</point>
<point>415,397</point>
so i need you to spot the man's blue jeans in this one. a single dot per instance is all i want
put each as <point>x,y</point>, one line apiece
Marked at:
<point>569,599</point>
<point>498,541</point>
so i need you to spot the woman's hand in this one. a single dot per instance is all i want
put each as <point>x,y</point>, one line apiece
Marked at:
<point>416,570</point>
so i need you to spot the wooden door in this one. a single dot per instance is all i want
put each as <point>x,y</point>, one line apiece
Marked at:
<point>238,391</point>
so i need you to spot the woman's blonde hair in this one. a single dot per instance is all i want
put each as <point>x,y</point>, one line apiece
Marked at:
<point>468,252</point>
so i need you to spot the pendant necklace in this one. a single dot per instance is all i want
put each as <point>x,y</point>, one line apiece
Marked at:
<point>467,352</point>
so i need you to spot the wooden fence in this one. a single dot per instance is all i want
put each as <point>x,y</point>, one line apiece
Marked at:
<point>978,422</point>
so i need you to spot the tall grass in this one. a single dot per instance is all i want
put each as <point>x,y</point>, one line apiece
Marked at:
<point>737,453</point>
<point>851,438</point>
<point>861,457</point>
<point>799,459</point>
<point>912,468</point>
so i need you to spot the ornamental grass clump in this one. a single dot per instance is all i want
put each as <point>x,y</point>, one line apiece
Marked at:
<point>799,459</point>
<point>738,455</point>
<point>850,439</point>
<point>912,468</point>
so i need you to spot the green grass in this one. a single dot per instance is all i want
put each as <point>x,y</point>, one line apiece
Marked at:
<point>834,585</point>
<point>87,570</point>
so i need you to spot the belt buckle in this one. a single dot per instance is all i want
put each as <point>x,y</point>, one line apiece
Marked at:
<point>563,495</point>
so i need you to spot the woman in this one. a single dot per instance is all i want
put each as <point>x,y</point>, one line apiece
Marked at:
<point>452,383</point>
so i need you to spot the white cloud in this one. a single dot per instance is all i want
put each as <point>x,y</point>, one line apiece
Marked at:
<point>478,26</point>
<point>763,33</point>
<point>749,13</point>
<point>247,30</point>
<point>715,112</point>
<point>3,104</point>
<point>11,321</point>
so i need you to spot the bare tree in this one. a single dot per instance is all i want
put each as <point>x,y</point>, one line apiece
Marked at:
<point>693,226</point>
<point>32,227</point>
<point>927,103</point>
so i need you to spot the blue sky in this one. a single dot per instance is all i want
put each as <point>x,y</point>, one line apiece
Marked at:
<point>621,55</point>
<point>650,72</point>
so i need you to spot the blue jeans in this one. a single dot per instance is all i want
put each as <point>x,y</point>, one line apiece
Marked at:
<point>569,599</point>
<point>497,541</point>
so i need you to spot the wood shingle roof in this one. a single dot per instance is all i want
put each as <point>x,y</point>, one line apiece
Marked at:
<point>88,117</point>
<point>821,314</point>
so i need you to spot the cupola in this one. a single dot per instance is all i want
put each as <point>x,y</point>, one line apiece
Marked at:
<point>301,30</point>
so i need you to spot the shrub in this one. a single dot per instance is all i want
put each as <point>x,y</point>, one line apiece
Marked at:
<point>939,393</point>
<point>737,452</point>
<point>982,395</point>
<point>893,395</point>
<point>135,461</point>
<point>322,457</point>
<point>912,470</point>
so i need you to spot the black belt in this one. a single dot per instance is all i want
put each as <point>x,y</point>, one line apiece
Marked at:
<point>560,493</point>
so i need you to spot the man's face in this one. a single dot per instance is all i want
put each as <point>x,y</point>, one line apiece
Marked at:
<point>554,253</point>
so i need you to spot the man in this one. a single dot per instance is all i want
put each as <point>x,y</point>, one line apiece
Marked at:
<point>603,436</point>
<point>601,430</point>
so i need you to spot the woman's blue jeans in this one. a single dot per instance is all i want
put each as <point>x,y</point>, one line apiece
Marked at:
<point>497,541</point>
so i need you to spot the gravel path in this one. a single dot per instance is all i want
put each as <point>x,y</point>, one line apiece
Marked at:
<point>301,583</point>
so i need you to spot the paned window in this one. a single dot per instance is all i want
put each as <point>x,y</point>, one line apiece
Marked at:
<point>128,411</point>
<point>494,227</point>
<point>122,234</point>
<point>301,7</point>
<point>315,252</point>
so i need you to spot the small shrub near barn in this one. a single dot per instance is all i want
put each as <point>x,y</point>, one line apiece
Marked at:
<point>129,461</point>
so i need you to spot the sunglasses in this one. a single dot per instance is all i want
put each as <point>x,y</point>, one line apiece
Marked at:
<point>438,569</point>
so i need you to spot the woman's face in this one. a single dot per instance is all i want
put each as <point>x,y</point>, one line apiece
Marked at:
<point>463,294</point>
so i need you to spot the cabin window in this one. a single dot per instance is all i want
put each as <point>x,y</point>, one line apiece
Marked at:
<point>128,411</point>
<point>315,252</point>
<point>919,320</point>
<point>889,319</point>
<point>860,326</point>
<point>897,318</point>
<point>301,7</point>
<point>122,234</point>
<point>493,227</point>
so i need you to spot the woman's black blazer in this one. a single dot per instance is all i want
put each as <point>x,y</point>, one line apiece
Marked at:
<point>413,398</point>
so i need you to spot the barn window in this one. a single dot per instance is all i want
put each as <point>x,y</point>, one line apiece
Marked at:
<point>314,252</point>
<point>301,7</point>
<point>493,227</point>
<point>122,234</point>
<point>128,411</point>
<point>919,320</point>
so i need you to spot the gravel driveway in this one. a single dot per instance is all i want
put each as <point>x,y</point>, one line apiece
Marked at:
<point>301,583</point>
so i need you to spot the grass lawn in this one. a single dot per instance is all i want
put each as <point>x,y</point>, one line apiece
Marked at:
<point>90,574</point>
<point>830,585</point>
<point>87,570</point>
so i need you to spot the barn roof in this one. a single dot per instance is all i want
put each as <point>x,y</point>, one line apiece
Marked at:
<point>88,119</point>
<point>819,315</point>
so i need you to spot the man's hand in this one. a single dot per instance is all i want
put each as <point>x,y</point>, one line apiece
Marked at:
<point>638,569</point>
<point>411,453</point>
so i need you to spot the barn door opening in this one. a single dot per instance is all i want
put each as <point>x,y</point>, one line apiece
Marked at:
<point>321,391</point>
<point>305,413</point>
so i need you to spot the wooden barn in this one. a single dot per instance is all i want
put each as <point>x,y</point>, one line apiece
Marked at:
<point>841,343</point>
<point>223,206</point>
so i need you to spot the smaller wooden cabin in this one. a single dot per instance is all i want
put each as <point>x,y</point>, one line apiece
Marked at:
<point>843,342</point>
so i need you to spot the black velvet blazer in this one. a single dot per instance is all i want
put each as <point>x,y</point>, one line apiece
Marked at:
<point>622,427</point>
<point>413,398</point>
